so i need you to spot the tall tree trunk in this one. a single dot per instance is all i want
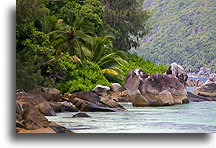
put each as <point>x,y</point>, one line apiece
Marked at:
<point>51,60</point>
<point>34,70</point>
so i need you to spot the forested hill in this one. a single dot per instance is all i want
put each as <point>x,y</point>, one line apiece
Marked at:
<point>184,32</point>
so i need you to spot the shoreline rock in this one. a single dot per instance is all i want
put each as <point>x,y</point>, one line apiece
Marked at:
<point>37,101</point>
<point>49,94</point>
<point>31,109</point>
<point>165,98</point>
<point>179,72</point>
<point>116,88</point>
<point>30,120</point>
<point>208,89</point>
<point>60,107</point>
<point>196,98</point>
<point>101,90</point>
<point>144,90</point>
<point>89,101</point>
<point>194,83</point>
<point>81,115</point>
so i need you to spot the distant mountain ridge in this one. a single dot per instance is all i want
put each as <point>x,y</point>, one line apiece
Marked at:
<point>184,33</point>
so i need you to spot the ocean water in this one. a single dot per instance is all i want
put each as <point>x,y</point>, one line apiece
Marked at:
<point>191,89</point>
<point>198,78</point>
<point>195,117</point>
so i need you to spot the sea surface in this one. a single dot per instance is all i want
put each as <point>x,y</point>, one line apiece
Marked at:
<point>195,117</point>
<point>198,78</point>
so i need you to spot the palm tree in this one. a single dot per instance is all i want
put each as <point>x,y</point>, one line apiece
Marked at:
<point>70,38</point>
<point>50,23</point>
<point>100,53</point>
<point>76,38</point>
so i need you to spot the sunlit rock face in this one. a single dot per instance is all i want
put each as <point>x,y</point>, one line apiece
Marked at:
<point>156,89</point>
<point>208,89</point>
<point>179,72</point>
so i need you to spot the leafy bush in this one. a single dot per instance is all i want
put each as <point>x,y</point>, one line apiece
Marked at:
<point>134,61</point>
<point>115,78</point>
<point>80,76</point>
<point>32,48</point>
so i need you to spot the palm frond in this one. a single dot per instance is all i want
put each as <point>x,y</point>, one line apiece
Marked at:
<point>116,68</point>
<point>58,24</point>
<point>109,71</point>
<point>106,57</point>
<point>75,59</point>
<point>87,52</point>
<point>101,44</point>
<point>109,63</point>
<point>85,37</point>
<point>107,38</point>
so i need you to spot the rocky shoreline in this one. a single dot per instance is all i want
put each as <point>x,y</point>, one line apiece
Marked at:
<point>157,89</point>
<point>140,89</point>
<point>33,106</point>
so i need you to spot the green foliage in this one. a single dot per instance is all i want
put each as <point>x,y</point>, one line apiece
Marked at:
<point>80,76</point>
<point>115,78</point>
<point>32,48</point>
<point>134,61</point>
<point>64,43</point>
<point>88,10</point>
<point>72,38</point>
<point>127,20</point>
<point>54,6</point>
<point>30,10</point>
<point>102,53</point>
<point>50,23</point>
<point>183,33</point>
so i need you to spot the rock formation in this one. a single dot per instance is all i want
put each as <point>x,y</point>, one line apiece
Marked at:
<point>78,115</point>
<point>30,115</point>
<point>116,87</point>
<point>156,89</point>
<point>192,83</point>
<point>179,72</point>
<point>165,98</point>
<point>49,94</point>
<point>91,102</point>
<point>101,90</point>
<point>208,89</point>
<point>37,101</point>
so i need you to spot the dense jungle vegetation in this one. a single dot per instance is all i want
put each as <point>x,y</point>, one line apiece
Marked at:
<point>76,44</point>
<point>184,32</point>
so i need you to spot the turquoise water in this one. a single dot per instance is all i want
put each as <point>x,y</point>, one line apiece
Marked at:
<point>191,89</point>
<point>195,117</point>
<point>198,78</point>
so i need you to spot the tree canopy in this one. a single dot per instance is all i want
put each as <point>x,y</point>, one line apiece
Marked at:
<point>72,44</point>
<point>127,20</point>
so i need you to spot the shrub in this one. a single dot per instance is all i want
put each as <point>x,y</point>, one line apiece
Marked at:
<point>80,76</point>
<point>115,78</point>
<point>134,61</point>
<point>32,48</point>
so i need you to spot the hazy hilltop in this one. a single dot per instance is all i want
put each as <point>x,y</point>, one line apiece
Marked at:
<point>184,32</point>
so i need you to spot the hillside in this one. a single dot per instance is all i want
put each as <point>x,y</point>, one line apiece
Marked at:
<point>184,32</point>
